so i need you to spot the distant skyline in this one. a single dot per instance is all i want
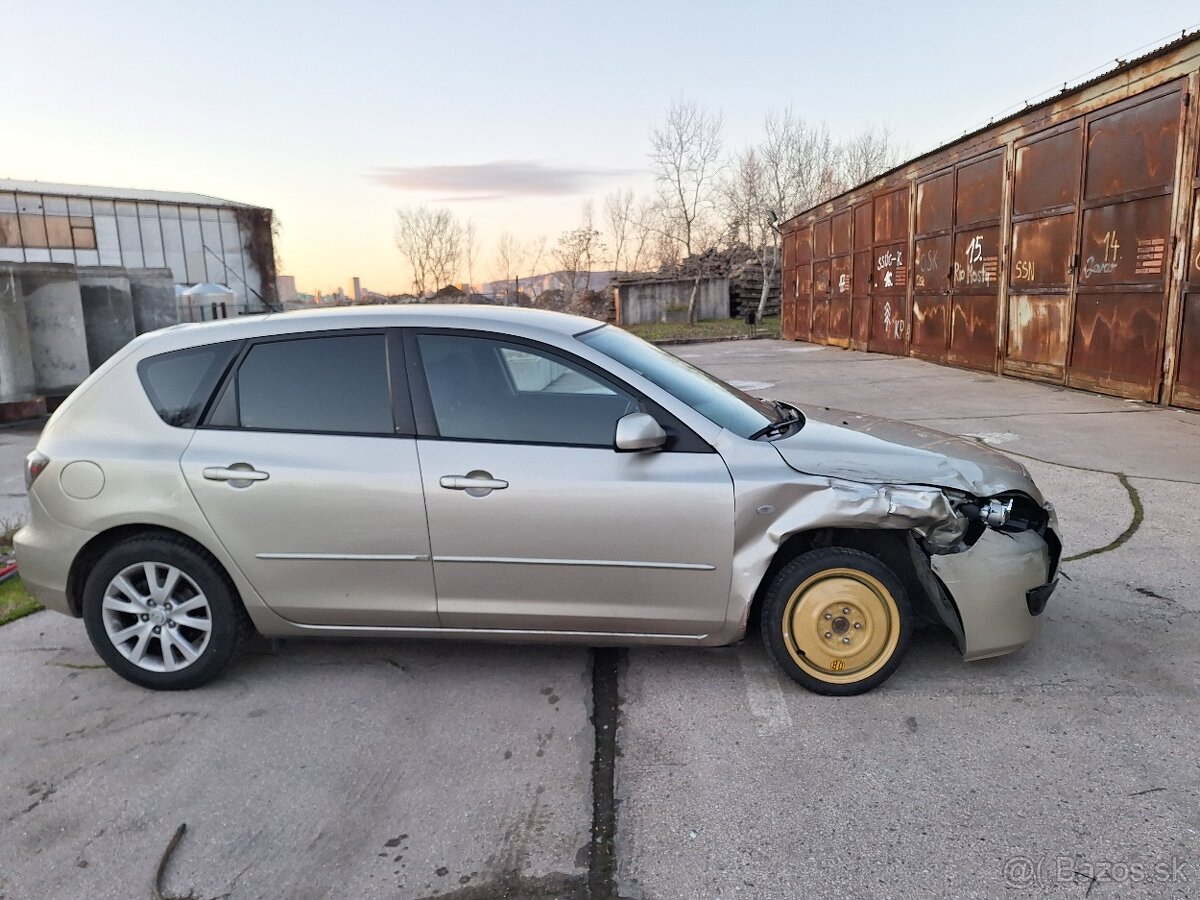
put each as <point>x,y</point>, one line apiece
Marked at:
<point>509,114</point>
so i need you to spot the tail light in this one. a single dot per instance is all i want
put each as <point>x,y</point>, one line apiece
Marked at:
<point>35,464</point>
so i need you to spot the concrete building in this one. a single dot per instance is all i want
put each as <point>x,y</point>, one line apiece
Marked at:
<point>198,238</point>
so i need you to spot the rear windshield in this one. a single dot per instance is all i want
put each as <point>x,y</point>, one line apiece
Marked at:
<point>179,384</point>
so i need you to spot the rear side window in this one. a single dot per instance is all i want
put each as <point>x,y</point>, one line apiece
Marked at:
<point>179,384</point>
<point>337,384</point>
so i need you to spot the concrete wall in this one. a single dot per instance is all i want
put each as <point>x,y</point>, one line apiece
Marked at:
<point>16,364</point>
<point>152,292</point>
<point>647,301</point>
<point>54,313</point>
<point>59,322</point>
<point>107,311</point>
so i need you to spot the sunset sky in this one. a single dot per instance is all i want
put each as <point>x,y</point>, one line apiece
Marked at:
<point>510,114</point>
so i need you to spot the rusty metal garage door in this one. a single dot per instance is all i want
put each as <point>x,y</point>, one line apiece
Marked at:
<point>839,281</point>
<point>822,231</point>
<point>933,266</point>
<point>1129,174</point>
<point>860,277</point>
<point>788,288</point>
<point>804,283</point>
<point>1042,272</point>
<point>889,278</point>
<point>975,284</point>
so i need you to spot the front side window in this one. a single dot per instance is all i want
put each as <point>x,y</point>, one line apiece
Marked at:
<point>489,390</point>
<point>717,401</point>
<point>336,384</point>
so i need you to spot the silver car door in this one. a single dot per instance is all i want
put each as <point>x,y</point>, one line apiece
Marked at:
<point>537,523</point>
<point>310,489</point>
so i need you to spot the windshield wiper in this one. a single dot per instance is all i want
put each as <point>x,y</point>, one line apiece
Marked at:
<point>788,416</point>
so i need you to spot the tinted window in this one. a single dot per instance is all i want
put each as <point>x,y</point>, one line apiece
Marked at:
<point>489,390</point>
<point>337,384</point>
<point>717,401</point>
<point>179,384</point>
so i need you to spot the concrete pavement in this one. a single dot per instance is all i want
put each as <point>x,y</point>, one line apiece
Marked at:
<point>326,769</point>
<point>1065,770</point>
<point>15,442</point>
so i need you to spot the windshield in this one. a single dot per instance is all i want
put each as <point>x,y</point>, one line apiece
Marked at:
<point>717,401</point>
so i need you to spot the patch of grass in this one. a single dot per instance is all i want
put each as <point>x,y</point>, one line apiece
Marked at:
<point>15,602</point>
<point>710,329</point>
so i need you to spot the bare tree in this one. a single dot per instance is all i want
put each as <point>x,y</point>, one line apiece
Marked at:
<point>575,254</point>
<point>872,152</point>
<point>515,258</point>
<point>801,162</point>
<point>746,197</point>
<point>470,252</point>
<point>431,241</point>
<point>794,167</point>
<point>618,210</point>
<point>645,234</point>
<point>685,153</point>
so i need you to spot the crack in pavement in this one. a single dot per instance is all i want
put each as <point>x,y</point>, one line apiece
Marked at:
<point>606,702</point>
<point>1139,515</point>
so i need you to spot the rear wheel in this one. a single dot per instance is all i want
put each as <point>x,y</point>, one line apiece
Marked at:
<point>837,621</point>
<point>162,613</point>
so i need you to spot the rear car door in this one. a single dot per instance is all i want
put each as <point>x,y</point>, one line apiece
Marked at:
<point>306,468</point>
<point>536,522</point>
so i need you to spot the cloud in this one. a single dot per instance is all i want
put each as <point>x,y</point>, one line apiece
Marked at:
<point>494,180</point>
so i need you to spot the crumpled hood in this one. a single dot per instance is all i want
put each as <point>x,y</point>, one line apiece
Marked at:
<point>847,445</point>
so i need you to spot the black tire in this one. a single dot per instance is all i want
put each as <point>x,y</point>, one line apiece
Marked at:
<point>824,602</point>
<point>200,615</point>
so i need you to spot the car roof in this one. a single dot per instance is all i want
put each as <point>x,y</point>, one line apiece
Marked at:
<point>477,317</point>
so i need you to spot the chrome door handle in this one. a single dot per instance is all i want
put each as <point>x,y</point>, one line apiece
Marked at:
<point>472,483</point>
<point>217,473</point>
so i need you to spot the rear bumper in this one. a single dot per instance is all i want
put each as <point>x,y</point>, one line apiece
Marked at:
<point>996,586</point>
<point>45,549</point>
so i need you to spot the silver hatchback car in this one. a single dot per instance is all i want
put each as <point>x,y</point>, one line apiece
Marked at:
<point>495,473</point>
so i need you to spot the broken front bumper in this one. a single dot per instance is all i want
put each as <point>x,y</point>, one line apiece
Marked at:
<point>996,585</point>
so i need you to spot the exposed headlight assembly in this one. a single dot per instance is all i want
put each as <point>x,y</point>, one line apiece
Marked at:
<point>995,512</point>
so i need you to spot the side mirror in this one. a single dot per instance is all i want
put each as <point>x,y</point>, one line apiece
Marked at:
<point>638,431</point>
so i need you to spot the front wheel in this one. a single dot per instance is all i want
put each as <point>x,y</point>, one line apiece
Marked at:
<point>837,621</point>
<point>162,614</point>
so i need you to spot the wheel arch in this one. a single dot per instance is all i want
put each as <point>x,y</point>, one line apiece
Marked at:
<point>94,550</point>
<point>890,546</point>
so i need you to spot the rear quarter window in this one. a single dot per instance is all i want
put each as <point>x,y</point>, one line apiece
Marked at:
<point>179,384</point>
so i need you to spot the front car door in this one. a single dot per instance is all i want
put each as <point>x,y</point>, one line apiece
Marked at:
<point>307,471</point>
<point>536,522</point>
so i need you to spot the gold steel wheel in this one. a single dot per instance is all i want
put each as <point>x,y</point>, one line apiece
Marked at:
<point>841,625</point>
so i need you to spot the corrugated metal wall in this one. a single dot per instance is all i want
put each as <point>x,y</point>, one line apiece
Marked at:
<point>1062,244</point>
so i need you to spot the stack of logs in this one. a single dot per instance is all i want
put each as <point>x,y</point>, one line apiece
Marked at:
<point>745,288</point>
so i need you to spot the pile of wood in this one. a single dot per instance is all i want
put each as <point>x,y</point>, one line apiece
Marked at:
<point>745,288</point>
<point>745,274</point>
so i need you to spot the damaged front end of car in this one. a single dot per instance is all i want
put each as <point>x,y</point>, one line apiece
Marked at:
<point>996,561</point>
<point>964,526</point>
